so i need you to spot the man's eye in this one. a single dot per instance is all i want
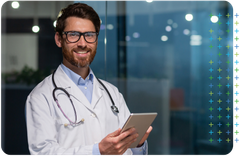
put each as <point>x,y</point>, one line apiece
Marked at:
<point>89,34</point>
<point>73,34</point>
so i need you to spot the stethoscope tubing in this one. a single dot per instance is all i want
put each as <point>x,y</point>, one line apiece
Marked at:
<point>113,107</point>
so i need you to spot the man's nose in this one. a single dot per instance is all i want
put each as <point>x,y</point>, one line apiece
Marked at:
<point>81,41</point>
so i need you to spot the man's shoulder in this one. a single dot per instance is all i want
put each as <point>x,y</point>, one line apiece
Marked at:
<point>43,86</point>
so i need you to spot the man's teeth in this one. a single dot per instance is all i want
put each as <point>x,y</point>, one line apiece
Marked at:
<point>81,52</point>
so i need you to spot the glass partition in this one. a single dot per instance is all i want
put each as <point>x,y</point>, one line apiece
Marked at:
<point>170,57</point>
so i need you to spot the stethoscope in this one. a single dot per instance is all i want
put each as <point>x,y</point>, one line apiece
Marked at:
<point>74,123</point>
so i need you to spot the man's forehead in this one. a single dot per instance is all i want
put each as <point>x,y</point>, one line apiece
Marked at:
<point>75,19</point>
<point>79,24</point>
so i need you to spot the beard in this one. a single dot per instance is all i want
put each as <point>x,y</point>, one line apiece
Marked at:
<point>79,62</point>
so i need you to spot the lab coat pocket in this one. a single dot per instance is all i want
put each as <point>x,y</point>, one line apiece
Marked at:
<point>69,135</point>
<point>69,121</point>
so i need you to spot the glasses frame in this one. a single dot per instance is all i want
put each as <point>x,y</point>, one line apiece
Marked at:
<point>80,34</point>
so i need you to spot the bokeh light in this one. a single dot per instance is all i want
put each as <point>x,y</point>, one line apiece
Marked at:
<point>189,17</point>
<point>35,29</point>
<point>15,5</point>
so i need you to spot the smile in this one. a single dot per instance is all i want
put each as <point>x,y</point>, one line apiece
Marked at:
<point>81,52</point>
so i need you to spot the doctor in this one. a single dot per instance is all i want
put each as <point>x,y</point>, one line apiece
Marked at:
<point>70,111</point>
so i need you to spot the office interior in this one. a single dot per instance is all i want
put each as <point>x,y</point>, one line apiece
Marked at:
<point>157,54</point>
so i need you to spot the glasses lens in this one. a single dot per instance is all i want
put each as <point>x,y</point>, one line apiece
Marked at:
<point>73,36</point>
<point>90,36</point>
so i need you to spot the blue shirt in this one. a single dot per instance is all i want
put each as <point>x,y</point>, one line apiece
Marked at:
<point>86,86</point>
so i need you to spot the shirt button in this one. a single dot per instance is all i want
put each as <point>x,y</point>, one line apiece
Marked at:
<point>85,87</point>
<point>93,115</point>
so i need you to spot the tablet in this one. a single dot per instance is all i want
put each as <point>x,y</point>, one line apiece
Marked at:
<point>141,122</point>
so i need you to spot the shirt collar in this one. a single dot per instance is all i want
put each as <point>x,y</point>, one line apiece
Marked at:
<point>77,79</point>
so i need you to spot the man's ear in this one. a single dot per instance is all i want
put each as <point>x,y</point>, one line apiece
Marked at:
<point>58,40</point>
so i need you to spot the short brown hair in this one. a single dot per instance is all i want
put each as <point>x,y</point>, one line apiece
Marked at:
<point>80,10</point>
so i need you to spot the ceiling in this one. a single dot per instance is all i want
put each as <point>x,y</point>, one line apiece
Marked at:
<point>46,9</point>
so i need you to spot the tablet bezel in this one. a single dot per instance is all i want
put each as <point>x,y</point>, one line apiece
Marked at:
<point>140,121</point>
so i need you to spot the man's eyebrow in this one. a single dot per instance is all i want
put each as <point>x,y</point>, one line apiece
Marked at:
<point>81,32</point>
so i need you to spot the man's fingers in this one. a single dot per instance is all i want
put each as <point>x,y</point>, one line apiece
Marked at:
<point>115,133</point>
<point>117,142</point>
<point>125,143</point>
<point>148,132</point>
<point>149,129</point>
<point>125,134</point>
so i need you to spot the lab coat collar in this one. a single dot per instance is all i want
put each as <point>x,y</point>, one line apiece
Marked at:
<point>62,80</point>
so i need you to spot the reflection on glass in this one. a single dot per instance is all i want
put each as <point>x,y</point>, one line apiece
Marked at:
<point>170,21</point>
<point>186,32</point>
<point>136,35</point>
<point>164,38</point>
<point>110,26</point>
<point>168,28</point>
<point>196,40</point>
<point>54,23</point>
<point>35,28</point>
<point>149,1</point>
<point>127,38</point>
<point>15,5</point>
<point>175,25</point>
<point>214,19</point>
<point>189,17</point>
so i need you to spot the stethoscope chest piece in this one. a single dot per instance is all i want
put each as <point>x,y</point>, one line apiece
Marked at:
<point>114,109</point>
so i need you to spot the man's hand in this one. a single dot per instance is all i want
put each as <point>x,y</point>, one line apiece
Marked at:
<point>145,136</point>
<point>117,143</point>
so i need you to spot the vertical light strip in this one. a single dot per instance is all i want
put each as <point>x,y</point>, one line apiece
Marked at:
<point>105,44</point>
<point>3,63</point>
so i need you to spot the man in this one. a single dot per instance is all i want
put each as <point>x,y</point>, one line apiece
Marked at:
<point>69,112</point>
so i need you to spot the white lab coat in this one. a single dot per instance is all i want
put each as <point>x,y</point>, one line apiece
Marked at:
<point>45,122</point>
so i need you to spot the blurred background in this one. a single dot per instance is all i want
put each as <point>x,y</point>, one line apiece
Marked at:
<point>156,52</point>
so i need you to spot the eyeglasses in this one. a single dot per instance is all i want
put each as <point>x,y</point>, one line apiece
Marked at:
<point>74,36</point>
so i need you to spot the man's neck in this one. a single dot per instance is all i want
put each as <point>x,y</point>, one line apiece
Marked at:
<point>82,71</point>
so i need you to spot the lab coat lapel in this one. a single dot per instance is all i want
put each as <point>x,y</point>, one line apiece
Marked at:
<point>97,92</point>
<point>65,82</point>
